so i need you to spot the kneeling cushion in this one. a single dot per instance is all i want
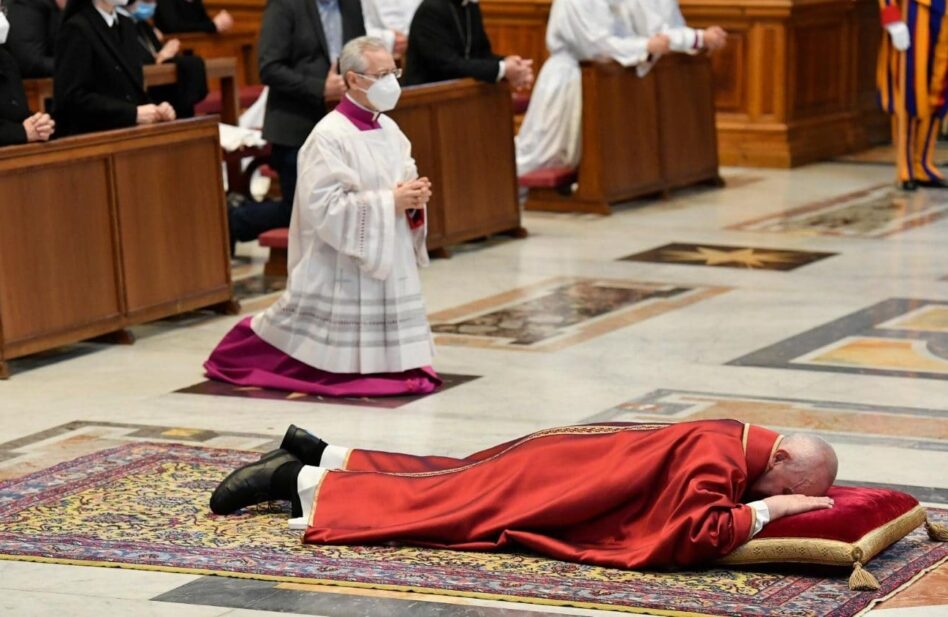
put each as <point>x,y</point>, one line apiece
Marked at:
<point>861,524</point>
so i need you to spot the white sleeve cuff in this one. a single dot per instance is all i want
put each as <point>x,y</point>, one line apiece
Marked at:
<point>683,40</point>
<point>502,72</point>
<point>762,516</point>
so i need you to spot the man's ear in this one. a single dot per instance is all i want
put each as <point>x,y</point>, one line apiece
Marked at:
<point>781,455</point>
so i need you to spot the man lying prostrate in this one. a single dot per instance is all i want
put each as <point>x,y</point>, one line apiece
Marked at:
<point>617,495</point>
<point>17,124</point>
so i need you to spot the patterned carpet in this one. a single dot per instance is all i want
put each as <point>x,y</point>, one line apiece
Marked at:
<point>144,506</point>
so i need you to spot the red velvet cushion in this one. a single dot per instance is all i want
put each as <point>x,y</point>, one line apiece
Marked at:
<point>856,512</point>
<point>548,178</point>
<point>521,100</point>
<point>212,104</point>
<point>275,238</point>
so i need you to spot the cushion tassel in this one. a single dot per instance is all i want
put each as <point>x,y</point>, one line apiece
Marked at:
<point>862,580</point>
<point>938,533</point>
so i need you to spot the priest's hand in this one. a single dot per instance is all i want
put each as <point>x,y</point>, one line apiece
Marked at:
<point>412,195</point>
<point>39,127</point>
<point>785,505</point>
<point>401,43</point>
<point>223,21</point>
<point>659,44</point>
<point>335,85</point>
<point>715,38</point>
<point>148,114</point>
<point>518,72</point>
<point>166,111</point>
<point>168,51</point>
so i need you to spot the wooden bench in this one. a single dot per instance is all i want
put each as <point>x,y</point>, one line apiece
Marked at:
<point>106,230</point>
<point>640,136</point>
<point>239,44</point>
<point>222,71</point>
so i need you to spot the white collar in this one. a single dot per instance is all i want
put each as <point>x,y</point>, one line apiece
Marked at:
<point>109,18</point>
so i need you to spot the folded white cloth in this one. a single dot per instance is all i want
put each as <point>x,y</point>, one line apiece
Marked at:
<point>233,137</point>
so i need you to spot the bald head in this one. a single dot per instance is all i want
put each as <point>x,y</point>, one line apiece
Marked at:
<point>802,465</point>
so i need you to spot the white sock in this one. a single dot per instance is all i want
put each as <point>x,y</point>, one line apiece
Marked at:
<point>334,457</point>
<point>306,484</point>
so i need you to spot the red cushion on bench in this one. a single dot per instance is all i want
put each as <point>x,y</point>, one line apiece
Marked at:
<point>521,100</point>
<point>548,178</point>
<point>275,238</point>
<point>212,104</point>
<point>268,172</point>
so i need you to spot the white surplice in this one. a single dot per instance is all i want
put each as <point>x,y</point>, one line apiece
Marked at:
<point>581,30</point>
<point>353,301</point>
<point>383,18</point>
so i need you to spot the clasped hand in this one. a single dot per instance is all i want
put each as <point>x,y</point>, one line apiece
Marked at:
<point>412,195</point>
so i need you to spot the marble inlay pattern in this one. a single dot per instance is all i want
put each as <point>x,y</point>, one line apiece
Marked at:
<point>218,388</point>
<point>560,312</point>
<point>898,337</point>
<point>906,427</point>
<point>875,212</point>
<point>728,256</point>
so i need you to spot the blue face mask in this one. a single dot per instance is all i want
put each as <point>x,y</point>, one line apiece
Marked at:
<point>143,11</point>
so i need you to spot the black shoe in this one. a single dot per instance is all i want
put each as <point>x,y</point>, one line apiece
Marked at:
<point>937,183</point>
<point>908,185</point>
<point>251,484</point>
<point>304,445</point>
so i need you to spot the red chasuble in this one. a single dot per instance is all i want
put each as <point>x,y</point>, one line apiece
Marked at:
<point>620,495</point>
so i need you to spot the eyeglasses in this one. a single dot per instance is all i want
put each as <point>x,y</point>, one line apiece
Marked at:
<point>396,72</point>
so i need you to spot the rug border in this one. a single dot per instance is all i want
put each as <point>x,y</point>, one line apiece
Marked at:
<point>874,603</point>
<point>358,585</point>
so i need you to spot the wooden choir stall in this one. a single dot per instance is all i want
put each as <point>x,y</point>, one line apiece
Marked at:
<point>463,141</point>
<point>94,240</point>
<point>640,136</point>
<point>795,84</point>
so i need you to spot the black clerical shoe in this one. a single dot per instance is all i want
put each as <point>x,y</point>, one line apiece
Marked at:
<point>908,185</point>
<point>251,484</point>
<point>304,445</point>
<point>937,183</point>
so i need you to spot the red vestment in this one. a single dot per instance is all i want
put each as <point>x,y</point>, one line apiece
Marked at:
<point>621,495</point>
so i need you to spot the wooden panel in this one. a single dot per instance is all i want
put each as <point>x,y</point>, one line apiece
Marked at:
<point>820,68</point>
<point>478,176</point>
<point>172,223</point>
<point>468,155</point>
<point>92,220</point>
<point>620,149</point>
<point>57,268</point>
<point>689,147</point>
<point>730,90</point>
<point>239,44</point>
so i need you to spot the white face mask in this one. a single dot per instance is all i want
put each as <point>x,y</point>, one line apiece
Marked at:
<point>384,93</point>
<point>4,28</point>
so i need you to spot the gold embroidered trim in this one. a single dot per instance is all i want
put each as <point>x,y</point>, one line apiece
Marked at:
<point>345,461</point>
<point>744,435</point>
<point>826,552</point>
<point>591,429</point>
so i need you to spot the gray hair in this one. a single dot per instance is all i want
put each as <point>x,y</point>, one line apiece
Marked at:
<point>352,57</point>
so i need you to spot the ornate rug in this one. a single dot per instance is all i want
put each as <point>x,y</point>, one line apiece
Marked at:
<point>144,506</point>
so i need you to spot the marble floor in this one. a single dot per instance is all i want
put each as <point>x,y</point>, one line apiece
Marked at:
<point>814,299</point>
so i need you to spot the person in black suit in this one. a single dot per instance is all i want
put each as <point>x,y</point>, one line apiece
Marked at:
<point>191,86</point>
<point>34,27</point>
<point>300,41</point>
<point>17,126</point>
<point>98,83</point>
<point>175,16</point>
<point>447,41</point>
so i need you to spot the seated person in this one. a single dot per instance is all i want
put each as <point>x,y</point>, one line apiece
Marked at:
<point>98,83</point>
<point>175,16</point>
<point>617,495</point>
<point>447,41</point>
<point>352,321</point>
<point>630,32</point>
<point>389,20</point>
<point>191,86</point>
<point>32,41</point>
<point>17,125</point>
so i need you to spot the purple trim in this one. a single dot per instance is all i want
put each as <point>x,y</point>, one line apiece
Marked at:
<point>363,119</point>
